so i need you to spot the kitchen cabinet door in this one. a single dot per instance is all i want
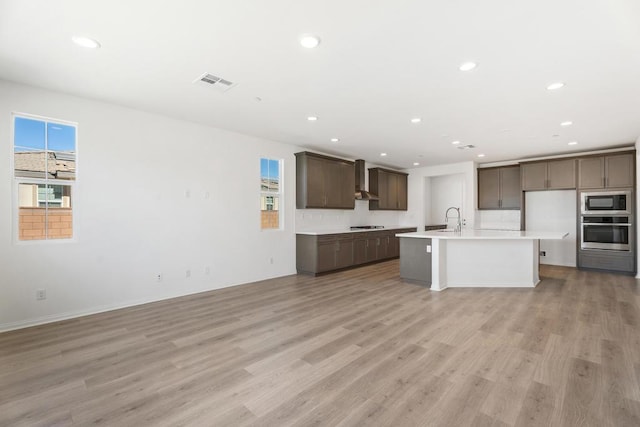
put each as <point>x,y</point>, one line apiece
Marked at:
<point>390,187</point>
<point>372,248</point>
<point>499,188</point>
<point>393,249</point>
<point>344,253</point>
<point>551,175</point>
<point>510,187</point>
<point>383,247</point>
<point>613,171</point>
<point>315,193</point>
<point>534,176</point>
<point>324,182</point>
<point>326,256</point>
<point>561,174</point>
<point>403,190</point>
<point>591,172</point>
<point>619,171</point>
<point>489,188</point>
<point>359,251</point>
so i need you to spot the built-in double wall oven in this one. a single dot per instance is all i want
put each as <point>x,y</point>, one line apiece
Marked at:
<point>606,220</point>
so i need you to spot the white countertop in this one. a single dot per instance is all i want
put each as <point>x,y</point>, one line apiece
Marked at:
<point>342,230</point>
<point>487,235</point>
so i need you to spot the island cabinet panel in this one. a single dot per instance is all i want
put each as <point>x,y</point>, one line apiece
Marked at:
<point>612,171</point>
<point>324,182</point>
<point>323,253</point>
<point>550,175</point>
<point>499,188</point>
<point>415,260</point>
<point>391,188</point>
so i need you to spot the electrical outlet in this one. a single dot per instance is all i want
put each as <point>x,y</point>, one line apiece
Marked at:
<point>543,253</point>
<point>41,294</point>
<point>159,277</point>
<point>207,271</point>
<point>271,260</point>
<point>187,194</point>
<point>187,274</point>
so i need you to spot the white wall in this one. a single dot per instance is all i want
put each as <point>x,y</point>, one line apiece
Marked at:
<point>420,192</point>
<point>498,219</point>
<point>133,219</point>
<point>446,191</point>
<point>553,211</point>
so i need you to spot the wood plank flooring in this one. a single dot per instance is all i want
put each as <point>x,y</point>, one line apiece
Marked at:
<point>355,348</point>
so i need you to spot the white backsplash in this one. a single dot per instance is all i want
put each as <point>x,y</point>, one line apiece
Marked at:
<point>498,220</point>
<point>333,219</point>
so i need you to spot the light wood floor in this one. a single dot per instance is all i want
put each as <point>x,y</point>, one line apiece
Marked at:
<point>356,348</point>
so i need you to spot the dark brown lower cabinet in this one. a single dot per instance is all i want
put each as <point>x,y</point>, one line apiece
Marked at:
<point>317,254</point>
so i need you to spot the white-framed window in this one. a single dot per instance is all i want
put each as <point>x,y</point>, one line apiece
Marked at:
<point>270,193</point>
<point>44,168</point>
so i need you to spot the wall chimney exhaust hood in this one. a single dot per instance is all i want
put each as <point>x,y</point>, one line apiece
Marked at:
<point>361,193</point>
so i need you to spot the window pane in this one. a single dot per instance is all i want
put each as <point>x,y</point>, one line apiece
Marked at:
<point>31,219</point>
<point>274,175</point>
<point>59,219</point>
<point>270,216</point>
<point>45,212</point>
<point>29,148</point>
<point>61,137</point>
<point>29,134</point>
<point>61,144</point>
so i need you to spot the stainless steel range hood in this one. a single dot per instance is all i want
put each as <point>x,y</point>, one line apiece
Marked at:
<point>361,193</point>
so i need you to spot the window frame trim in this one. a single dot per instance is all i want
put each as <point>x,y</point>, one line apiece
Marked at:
<point>16,181</point>
<point>279,194</point>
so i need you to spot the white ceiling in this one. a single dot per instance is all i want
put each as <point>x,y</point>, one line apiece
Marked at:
<point>380,63</point>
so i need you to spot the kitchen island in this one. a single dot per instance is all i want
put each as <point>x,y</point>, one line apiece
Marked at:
<point>472,258</point>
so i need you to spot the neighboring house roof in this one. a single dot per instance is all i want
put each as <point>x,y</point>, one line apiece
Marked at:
<point>32,164</point>
<point>269,184</point>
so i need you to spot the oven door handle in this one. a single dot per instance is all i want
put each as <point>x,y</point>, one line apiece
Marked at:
<point>607,224</point>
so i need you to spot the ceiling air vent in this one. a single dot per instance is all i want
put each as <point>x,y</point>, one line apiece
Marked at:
<point>214,81</point>
<point>466,147</point>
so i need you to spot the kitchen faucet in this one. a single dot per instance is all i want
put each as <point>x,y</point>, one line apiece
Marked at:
<point>446,218</point>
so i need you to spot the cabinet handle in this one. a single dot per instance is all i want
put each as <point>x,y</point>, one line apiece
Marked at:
<point>604,181</point>
<point>500,203</point>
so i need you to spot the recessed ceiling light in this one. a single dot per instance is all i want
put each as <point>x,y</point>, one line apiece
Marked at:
<point>258,99</point>
<point>85,42</point>
<point>309,41</point>
<point>468,66</point>
<point>416,164</point>
<point>555,86</point>
<point>573,143</point>
<point>416,120</point>
<point>455,142</point>
<point>383,154</point>
<point>312,118</point>
<point>567,123</point>
<point>334,140</point>
<point>480,155</point>
<point>555,135</point>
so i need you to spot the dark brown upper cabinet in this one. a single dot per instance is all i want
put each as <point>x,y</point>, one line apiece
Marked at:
<point>612,171</point>
<point>324,182</point>
<point>499,188</point>
<point>549,175</point>
<point>391,188</point>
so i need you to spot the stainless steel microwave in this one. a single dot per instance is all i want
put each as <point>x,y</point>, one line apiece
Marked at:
<point>606,203</point>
